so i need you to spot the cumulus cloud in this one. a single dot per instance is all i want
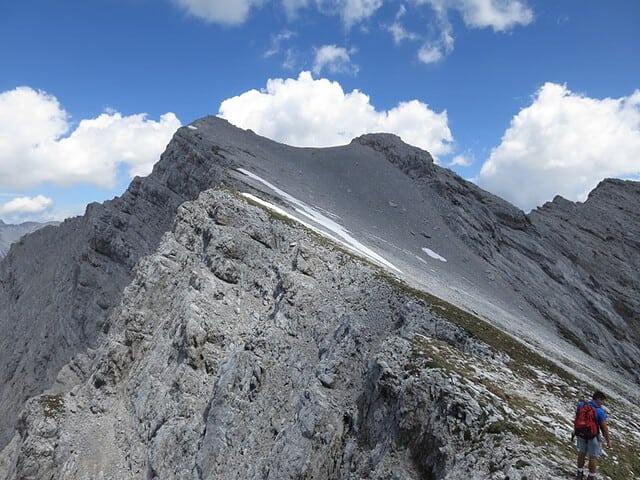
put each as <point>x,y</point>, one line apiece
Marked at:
<point>35,204</point>
<point>38,145</point>
<point>317,112</point>
<point>500,15</point>
<point>564,143</point>
<point>233,12</point>
<point>334,59</point>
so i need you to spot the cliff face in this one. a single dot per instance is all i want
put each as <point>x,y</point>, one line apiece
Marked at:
<point>219,338</point>
<point>575,264</point>
<point>598,246</point>
<point>59,286</point>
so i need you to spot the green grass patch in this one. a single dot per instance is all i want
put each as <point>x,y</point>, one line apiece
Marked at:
<point>522,357</point>
<point>621,462</point>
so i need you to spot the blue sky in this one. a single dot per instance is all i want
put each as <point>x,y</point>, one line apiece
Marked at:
<point>527,98</point>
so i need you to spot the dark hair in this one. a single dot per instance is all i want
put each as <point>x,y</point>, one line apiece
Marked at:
<point>598,395</point>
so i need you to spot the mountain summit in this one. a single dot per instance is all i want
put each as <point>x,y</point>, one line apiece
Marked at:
<point>255,310</point>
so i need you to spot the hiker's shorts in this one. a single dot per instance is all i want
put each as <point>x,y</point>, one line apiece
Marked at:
<point>592,447</point>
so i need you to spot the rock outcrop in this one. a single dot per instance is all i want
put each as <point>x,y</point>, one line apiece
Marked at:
<point>193,328</point>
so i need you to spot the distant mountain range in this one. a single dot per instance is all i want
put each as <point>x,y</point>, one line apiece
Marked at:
<point>256,310</point>
<point>11,233</point>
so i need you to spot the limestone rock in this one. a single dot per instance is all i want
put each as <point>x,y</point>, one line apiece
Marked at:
<point>225,379</point>
<point>254,310</point>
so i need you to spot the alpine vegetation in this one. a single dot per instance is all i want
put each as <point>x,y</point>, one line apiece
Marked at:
<point>255,310</point>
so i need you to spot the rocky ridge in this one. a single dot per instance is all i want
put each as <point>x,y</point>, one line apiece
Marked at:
<point>197,341</point>
<point>10,233</point>
<point>277,356</point>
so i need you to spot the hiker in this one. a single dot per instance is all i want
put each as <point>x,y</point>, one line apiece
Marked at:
<point>591,421</point>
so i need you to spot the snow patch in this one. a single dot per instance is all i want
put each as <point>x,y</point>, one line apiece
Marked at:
<point>433,254</point>
<point>192,127</point>
<point>318,222</point>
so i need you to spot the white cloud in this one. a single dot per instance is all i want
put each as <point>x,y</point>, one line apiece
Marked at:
<point>310,112</point>
<point>437,41</point>
<point>35,204</point>
<point>35,147</point>
<point>500,15</point>
<point>335,59</point>
<point>27,119</point>
<point>291,7</point>
<point>432,49</point>
<point>229,12</point>
<point>564,143</point>
<point>436,50</point>
<point>277,41</point>
<point>461,161</point>
<point>237,12</point>
<point>398,31</point>
<point>351,11</point>
<point>277,47</point>
<point>430,53</point>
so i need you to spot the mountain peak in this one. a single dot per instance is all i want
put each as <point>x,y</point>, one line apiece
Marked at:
<point>614,190</point>
<point>412,161</point>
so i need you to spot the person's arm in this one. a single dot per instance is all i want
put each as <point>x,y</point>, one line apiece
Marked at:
<point>605,432</point>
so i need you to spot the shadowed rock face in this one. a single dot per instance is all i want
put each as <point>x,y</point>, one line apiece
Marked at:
<point>59,285</point>
<point>236,335</point>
